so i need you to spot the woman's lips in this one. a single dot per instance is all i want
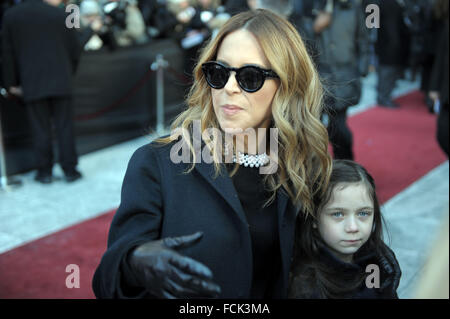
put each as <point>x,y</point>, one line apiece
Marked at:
<point>231,109</point>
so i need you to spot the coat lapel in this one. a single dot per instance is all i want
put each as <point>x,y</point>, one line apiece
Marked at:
<point>282,201</point>
<point>224,186</point>
<point>286,228</point>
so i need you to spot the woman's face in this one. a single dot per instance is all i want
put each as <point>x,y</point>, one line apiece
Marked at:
<point>234,107</point>
<point>345,222</point>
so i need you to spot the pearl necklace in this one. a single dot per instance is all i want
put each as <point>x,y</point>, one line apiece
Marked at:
<point>252,160</point>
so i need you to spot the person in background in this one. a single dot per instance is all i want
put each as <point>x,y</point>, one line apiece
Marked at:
<point>237,6</point>
<point>160,21</point>
<point>439,79</point>
<point>126,22</point>
<point>392,49</point>
<point>38,63</point>
<point>340,45</point>
<point>91,19</point>
<point>198,22</point>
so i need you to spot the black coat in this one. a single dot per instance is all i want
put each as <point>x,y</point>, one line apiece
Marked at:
<point>39,52</point>
<point>159,201</point>
<point>393,39</point>
<point>344,53</point>
<point>304,283</point>
<point>439,75</point>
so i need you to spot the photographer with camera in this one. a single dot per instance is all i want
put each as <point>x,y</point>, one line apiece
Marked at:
<point>92,24</point>
<point>160,22</point>
<point>125,22</point>
<point>198,21</point>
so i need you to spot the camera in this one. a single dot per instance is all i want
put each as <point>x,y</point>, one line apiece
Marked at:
<point>115,13</point>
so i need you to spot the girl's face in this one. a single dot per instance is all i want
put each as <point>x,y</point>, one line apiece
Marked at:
<point>345,222</point>
<point>234,107</point>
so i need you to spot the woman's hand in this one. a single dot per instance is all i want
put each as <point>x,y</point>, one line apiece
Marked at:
<point>167,274</point>
<point>322,21</point>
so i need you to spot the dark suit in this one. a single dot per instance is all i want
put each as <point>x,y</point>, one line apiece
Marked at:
<point>159,201</point>
<point>439,83</point>
<point>392,48</point>
<point>40,54</point>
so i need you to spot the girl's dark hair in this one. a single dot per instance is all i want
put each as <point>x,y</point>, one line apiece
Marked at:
<point>307,263</point>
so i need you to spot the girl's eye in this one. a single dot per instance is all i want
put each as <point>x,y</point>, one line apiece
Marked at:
<point>364,214</point>
<point>337,214</point>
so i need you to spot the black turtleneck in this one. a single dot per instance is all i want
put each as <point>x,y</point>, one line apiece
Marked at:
<point>263,226</point>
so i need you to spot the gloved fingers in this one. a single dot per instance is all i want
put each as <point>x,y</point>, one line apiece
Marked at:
<point>182,241</point>
<point>386,266</point>
<point>181,292</point>
<point>207,288</point>
<point>385,284</point>
<point>395,266</point>
<point>190,266</point>
<point>167,295</point>
<point>385,263</point>
<point>203,287</point>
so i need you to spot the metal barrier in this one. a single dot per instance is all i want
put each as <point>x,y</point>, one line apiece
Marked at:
<point>159,65</point>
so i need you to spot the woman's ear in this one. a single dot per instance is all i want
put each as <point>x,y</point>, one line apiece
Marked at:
<point>314,225</point>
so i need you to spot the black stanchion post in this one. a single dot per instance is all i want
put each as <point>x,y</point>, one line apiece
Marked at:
<point>159,66</point>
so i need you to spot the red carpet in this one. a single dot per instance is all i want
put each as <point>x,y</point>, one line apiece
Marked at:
<point>396,146</point>
<point>38,269</point>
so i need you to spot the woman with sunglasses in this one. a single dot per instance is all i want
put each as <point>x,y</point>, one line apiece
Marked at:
<point>219,228</point>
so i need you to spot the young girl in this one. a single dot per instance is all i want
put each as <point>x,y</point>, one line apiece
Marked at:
<point>334,248</point>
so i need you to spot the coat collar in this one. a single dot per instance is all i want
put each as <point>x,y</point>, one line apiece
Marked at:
<point>223,185</point>
<point>361,258</point>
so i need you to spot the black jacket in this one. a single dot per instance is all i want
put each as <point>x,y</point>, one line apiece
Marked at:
<point>39,52</point>
<point>304,283</point>
<point>393,40</point>
<point>159,201</point>
<point>344,53</point>
<point>439,75</point>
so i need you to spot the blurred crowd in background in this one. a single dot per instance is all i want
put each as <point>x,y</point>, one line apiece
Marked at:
<point>119,23</point>
<point>413,25</point>
<point>412,35</point>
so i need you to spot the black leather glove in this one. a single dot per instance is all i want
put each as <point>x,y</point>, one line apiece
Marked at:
<point>167,274</point>
<point>390,272</point>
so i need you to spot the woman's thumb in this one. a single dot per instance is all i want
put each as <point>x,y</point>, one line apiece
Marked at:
<point>182,241</point>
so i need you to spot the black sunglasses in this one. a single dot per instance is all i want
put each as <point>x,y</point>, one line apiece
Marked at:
<point>250,78</point>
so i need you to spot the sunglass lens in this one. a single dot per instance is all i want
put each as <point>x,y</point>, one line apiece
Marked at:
<point>216,75</point>
<point>251,79</point>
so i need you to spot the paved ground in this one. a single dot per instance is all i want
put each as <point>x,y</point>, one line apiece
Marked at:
<point>34,210</point>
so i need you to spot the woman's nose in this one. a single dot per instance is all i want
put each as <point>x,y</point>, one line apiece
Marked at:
<point>232,85</point>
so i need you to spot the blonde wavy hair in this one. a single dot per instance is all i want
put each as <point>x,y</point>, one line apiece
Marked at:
<point>304,164</point>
